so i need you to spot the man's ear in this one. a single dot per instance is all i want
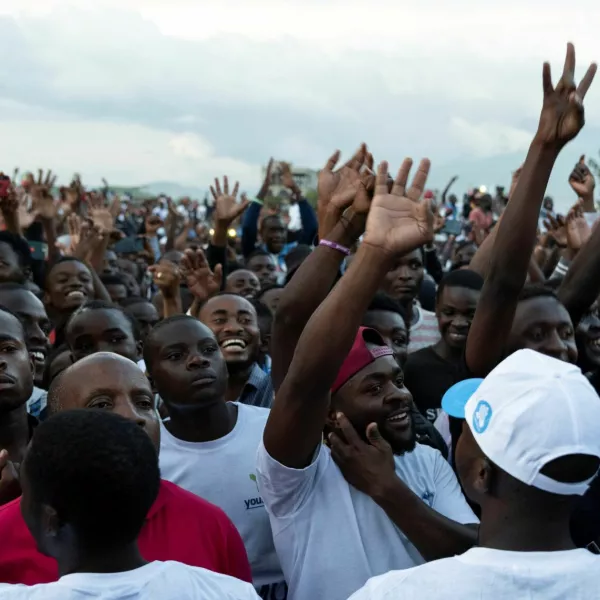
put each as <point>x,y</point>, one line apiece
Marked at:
<point>485,476</point>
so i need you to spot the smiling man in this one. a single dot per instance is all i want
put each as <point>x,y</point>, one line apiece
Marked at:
<point>30,310</point>
<point>431,371</point>
<point>208,446</point>
<point>234,322</point>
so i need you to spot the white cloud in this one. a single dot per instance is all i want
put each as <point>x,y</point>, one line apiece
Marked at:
<point>141,90</point>
<point>123,153</point>
<point>488,138</point>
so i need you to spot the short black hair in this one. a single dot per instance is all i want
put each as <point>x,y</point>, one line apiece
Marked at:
<point>19,246</point>
<point>98,470</point>
<point>16,316</point>
<point>262,310</point>
<point>131,300</point>
<point>150,338</point>
<point>103,305</point>
<point>270,218</point>
<point>113,279</point>
<point>268,288</point>
<point>258,252</point>
<point>386,303</point>
<point>536,290</point>
<point>464,278</point>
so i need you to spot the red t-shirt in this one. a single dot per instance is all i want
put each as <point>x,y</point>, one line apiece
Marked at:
<point>180,526</point>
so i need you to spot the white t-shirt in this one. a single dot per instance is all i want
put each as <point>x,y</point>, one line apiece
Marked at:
<point>495,574</point>
<point>165,580</point>
<point>223,472</point>
<point>330,537</point>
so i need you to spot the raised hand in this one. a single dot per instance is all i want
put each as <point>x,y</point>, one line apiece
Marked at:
<point>227,208</point>
<point>287,179</point>
<point>397,222</point>
<point>41,195</point>
<point>266,184</point>
<point>102,216</point>
<point>581,179</point>
<point>350,185</point>
<point>562,115</point>
<point>578,230</point>
<point>166,275</point>
<point>557,229</point>
<point>202,282</point>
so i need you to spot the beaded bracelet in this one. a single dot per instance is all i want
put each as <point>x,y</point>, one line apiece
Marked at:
<point>334,246</point>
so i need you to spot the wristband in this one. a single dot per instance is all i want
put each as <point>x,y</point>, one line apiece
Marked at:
<point>335,246</point>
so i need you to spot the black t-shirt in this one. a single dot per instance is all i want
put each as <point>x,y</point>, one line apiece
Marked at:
<point>427,376</point>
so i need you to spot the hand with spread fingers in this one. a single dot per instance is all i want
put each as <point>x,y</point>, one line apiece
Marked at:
<point>578,230</point>
<point>557,229</point>
<point>41,195</point>
<point>350,185</point>
<point>103,216</point>
<point>398,222</point>
<point>562,115</point>
<point>227,208</point>
<point>201,280</point>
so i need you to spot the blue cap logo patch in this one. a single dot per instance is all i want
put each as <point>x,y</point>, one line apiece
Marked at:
<point>482,416</point>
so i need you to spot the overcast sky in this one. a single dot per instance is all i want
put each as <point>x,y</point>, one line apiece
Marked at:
<point>149,90</point>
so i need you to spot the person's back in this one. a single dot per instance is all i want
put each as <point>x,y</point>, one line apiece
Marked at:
<point>526,486</point>
<point>88,480</point>
<point>155,580</point>
<point>494,574</point>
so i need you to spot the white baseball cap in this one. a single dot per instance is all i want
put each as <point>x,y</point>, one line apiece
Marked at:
<point>530,410</point>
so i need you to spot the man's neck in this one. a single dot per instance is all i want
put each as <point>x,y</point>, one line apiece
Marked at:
<point>238,376</point>
<point>533,531</point>
<point>117,560</point>
<point>202,425</point>
<point>14,432</point>
<point>412,313</point>
<point>448,353</point>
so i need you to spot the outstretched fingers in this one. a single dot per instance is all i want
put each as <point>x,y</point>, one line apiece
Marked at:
<point>399,187</point>
<point>381,187</point>
<point>586,82</point>
<point>356,162</point>
<point>419,180</point>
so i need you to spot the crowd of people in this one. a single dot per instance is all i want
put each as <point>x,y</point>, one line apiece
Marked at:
<point>398,398</point>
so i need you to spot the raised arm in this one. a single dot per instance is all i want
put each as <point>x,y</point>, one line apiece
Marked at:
<point>581,284</point>
<point>250,221</point>
<point>338,189</point>
<point>396,225</point>
<point>561,119</point>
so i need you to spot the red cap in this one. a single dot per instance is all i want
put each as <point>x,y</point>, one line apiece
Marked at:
<point>361,355</point>
<point>428,194</point>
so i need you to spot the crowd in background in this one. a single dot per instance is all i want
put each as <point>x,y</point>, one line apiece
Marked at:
<point>389,394</point>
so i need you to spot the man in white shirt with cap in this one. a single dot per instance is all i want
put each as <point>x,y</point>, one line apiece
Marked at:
<point>530,446</point>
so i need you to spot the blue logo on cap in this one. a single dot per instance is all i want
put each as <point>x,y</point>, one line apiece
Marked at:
<point>482,416</point>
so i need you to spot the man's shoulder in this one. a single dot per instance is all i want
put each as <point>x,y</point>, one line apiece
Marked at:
<point>424,355</point>
<point>188,507</point>
<point>9,514</point>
